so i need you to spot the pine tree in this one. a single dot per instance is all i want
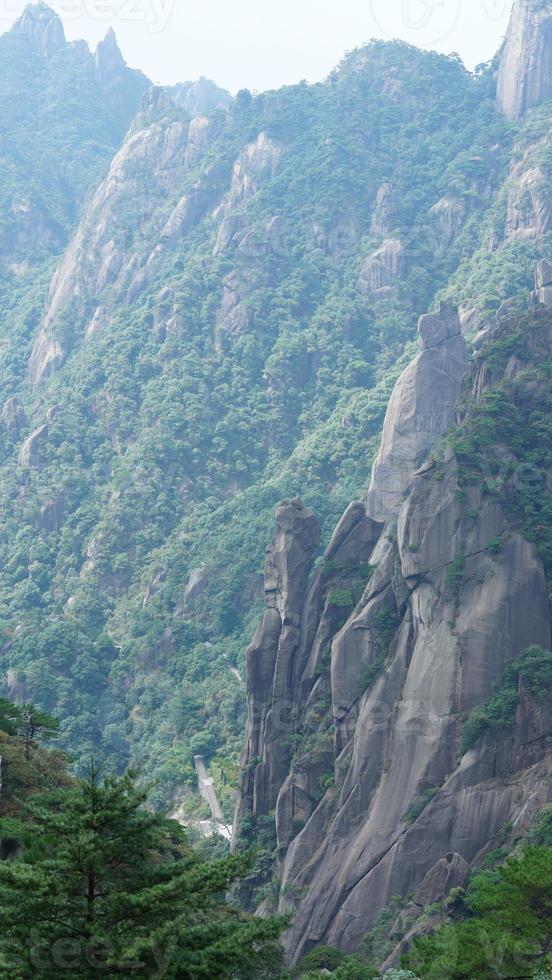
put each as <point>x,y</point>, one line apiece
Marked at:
<point>10,717</point>
<point>110,888</point>
<point>35,725</point>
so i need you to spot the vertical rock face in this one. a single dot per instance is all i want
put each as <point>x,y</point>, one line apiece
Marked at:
<point>373,794</point>
<point>525,69</point>
<point>44,29</point>
<point>543,283</point>
<point>13,417</point>
<point>108,57</point>
<point>271,658</point>
<point>422,408</point>
<point>381,269</point>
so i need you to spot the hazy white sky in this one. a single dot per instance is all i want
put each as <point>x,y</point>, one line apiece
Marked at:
<point>262,44</point>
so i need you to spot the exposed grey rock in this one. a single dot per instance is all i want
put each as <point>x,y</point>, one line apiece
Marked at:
<point>271,658</point>
<point>385,211</point>
<point>18,688</point>
<point>448,214</point>
<point>14,418</point>
<point>421,409</point>
<point>233,317</point>
<point>31,452</point>
<point>350,841</point>
<point>525,67</point>
<point>94,260</point>
<point>258,161</point>
<point>382,268</point>
<point>200,134</point>
<point>189,210</point>
<point>356,851</point>
<point>543,283</point>
<point>200,97</point>
<point>31,225</point>
<point>195,586</point>
<point>448,873</point>
<point>108,58</point>
<point>51,514</point>
<point>43,27</point>
<point>529,203</point>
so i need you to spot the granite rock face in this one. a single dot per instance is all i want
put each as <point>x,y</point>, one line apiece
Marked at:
<point>372,793</point>
<point>421,409</point>
<point>200,97</point>
<point>271,658</point>
<point>44,29</point>
<point>14,418</point>
<point>95,259</point>
<point>525,67</point>
<point>381,269</point>
<point>161,150</point>
<point>31,452</point>
<point>543,283</point>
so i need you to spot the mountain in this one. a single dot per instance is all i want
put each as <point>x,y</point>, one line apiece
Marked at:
<point>242,294</point>
<point>63,114</point>
<point>399,687</point>
<point>525,69</point>
<point>224,330</point>
<point>376,732</point>
<point>200,97</point>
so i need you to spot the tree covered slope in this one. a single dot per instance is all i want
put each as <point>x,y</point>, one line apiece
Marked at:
<point>224,330</point>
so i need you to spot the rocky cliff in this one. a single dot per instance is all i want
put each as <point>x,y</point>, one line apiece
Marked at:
<point>355,737</point>
<point>239,293</point>
<point>64,114</point>
<point>525,65</point>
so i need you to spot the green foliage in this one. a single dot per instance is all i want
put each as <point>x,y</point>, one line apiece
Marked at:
<point>534,669</point>
<point>509,931</point>
<point>10,717</point>
<point>505,442</point>
<point>22,776</point>
<point>109,884</point>
<point>322,958</point>
<point>342,598</point>
<point>382,939</point>
<point>170,448</point>
<point>61,129</point>
<point>387,622</point>
<point>369,673</point>
<point>455,575</point>
<point>420,805</point>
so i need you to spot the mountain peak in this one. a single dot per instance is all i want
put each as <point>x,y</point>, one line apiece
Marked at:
<point>43,27</point>
<point>525,68</point>
<point>200,96</point>
<point>108,56</point>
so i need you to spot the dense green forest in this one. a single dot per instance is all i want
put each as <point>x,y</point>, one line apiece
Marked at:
<point>92,880</point>
<point>132,541</point>
<point>205,304</point>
